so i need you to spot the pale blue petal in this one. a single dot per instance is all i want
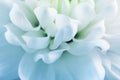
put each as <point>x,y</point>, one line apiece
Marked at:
<point>113,55</point>
<point>4,13</point>
<point>114,41</point>
<point>2,38</point>
<point>35,70</point>
<point>114,70</point>
<point>9,58</point>
<point>68,67</point>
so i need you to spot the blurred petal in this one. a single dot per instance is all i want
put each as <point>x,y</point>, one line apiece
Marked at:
<point>108,10</point>
<point>4,13</point>
<point>9,58</point>
<point>9,61</point>
<point>2,38</point>
<point>113,26</point>
<point>113,70</point>
<point>113,55</point>
<point>114,41</point>
<point>65,68</point>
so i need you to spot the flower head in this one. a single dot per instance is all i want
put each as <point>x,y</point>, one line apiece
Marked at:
<point>61,40</point>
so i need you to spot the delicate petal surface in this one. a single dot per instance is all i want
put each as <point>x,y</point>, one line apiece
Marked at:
<point>67,67</point>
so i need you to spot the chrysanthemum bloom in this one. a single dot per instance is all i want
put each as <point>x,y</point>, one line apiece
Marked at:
<point>60,40</point>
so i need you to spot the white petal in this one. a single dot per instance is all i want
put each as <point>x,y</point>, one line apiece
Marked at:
<point>36,40</point>
<point>113,26</point>
<point>45,15</point>
<point>23,18</point>
<point>108,10</point>
<point>10,57</point>
<point>83,47</point>
<point>51,56</point>
<point>66,30</point>
<point>31,3</point>
<point>67,67</point>
<point>97,31</point>
<point>85,13</point>
<point>114,41</point>
<point>13,34</point>
<point>64,7</point>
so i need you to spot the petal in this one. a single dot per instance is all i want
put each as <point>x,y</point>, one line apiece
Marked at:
<point>51,56</point>
<point>46,18</point>
<point>45,15</point>
<point>24,18</point>
<point>108,10</point>
<point>2,38</point>
<point>4,13</point>
<point>66,30</point>
<point>113,55</point>
<point>31,3</point>
<point>83,47</point>
<point>10,57</point>
<point>67,67</point>
<point>114,41</point>
<point>113,26</point>
<point>63,7</point>
<point>36,40</point>
<point>98,31</point>
<point>35,70</point>
<point>13,35</point>
<point>113,71</point>
<point>85,13</point>
<point>92,31</point>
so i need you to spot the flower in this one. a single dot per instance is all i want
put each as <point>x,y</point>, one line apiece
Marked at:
<point>59,40</point>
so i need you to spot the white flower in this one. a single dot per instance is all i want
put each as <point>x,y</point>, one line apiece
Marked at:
<point>60,40</point>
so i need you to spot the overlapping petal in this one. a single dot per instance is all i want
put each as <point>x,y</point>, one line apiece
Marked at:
<point>67,67</point>
<point>23,18</point>
<point>9,58</point>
